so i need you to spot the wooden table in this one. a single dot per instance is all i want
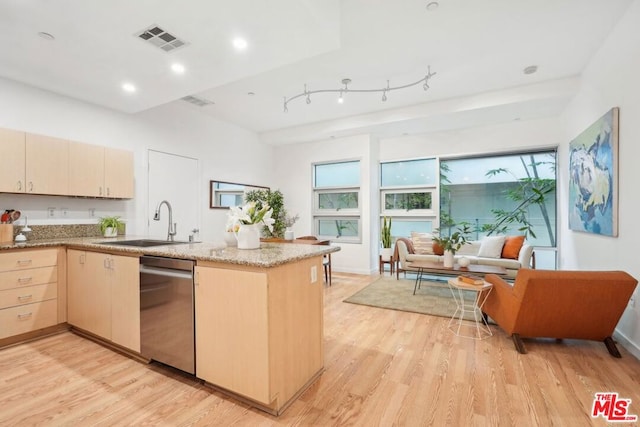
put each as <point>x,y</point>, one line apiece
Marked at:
<point>438,268</point>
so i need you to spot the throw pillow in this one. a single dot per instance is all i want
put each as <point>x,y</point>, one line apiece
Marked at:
<point>491,247</point>
<point>422,242</point>
<point>437,249</point>
<point>512,246</point>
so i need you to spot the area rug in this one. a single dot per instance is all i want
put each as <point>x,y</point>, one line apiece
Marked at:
<point>433,298</point>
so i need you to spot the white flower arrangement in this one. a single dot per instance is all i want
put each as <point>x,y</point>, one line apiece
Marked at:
<point>249,214</point>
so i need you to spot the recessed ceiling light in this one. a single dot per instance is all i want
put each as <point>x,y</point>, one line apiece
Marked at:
<point>46,36</point>
<point>530,69</point>
<point>431,6</point>
<point>128,87</point>
<point>240,43</point>
<point>177,68</point>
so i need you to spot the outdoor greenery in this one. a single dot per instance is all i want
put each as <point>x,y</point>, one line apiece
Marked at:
<point>526,193</point>
<point>408,201</point>
<point>531,191</point>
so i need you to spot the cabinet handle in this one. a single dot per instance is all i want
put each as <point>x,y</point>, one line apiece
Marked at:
<point>100,191</point>
<point>108,191</point>
<point>25,297</point>
<point>19,185</point>
<point>22,262</point>
<point>30,185</point>
<point>81,259</point>
<point>22,280</point>
<point>24,316</point>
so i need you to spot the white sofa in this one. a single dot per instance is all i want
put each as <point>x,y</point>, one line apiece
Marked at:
<point>469,250</point>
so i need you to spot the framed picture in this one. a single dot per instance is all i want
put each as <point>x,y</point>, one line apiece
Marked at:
<point>593,177</point>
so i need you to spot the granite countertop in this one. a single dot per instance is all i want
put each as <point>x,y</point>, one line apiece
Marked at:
<point>269,254</point>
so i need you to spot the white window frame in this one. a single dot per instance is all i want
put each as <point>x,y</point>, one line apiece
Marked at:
<point>408,212</point>
<point>336,214</point>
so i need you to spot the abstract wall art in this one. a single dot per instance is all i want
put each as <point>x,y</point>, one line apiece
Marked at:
<point>593,177</point>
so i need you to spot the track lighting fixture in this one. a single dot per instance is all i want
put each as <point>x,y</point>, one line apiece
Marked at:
<point>344,90</point>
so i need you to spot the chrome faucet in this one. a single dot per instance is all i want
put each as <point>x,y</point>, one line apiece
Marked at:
<point>172,225</point>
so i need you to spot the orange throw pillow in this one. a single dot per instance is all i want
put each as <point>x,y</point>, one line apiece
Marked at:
<point>512,246</point>
<point>437,249</point>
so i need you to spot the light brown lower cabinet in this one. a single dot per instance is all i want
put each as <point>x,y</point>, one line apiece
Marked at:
<point>259,331</point>
<point>29,291</point>
<point>104,296</point>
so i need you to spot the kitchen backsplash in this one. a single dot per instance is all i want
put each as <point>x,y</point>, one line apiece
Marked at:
<point>43,232</point>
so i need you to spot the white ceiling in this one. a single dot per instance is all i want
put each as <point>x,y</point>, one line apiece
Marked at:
<point>476,48</point>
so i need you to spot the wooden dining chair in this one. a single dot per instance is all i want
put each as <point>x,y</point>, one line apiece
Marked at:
<point>326,261</point>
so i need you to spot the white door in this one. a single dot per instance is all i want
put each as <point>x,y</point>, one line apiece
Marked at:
<point>175,179</point>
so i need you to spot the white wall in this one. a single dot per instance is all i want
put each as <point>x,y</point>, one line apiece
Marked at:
<point>293,176</point>
<point>610,80</point>
<point>516,135</point>
<point>226,152</point>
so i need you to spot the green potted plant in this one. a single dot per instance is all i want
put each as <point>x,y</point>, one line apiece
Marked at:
<point>109,225</point>
<point>453,242</point>
<point>385,236</point>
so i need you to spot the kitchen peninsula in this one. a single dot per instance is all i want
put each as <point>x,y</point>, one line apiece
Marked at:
<point>258,313</point>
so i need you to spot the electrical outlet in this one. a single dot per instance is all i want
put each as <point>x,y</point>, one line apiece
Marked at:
<point>51,212</point>
<point>65,212</point>
<point>92,212</point>
<point>314,274</point>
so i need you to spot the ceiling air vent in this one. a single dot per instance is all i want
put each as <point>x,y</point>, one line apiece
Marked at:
<point>200,102</point>
<point>160,38</point>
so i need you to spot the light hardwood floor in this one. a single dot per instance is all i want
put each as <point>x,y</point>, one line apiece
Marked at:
<point>383,367</point>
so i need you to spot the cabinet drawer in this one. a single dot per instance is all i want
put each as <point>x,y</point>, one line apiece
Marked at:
<point>22,260</point>
<point>26,318</point>
<point>29,277</point>
<point>28,295</point>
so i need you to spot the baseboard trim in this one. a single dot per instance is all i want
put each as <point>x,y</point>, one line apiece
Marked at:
<point>625,342</point>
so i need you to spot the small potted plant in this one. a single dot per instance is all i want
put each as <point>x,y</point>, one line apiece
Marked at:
<point>452,243</point>
<point>385,236</point>
<point>109,225</point>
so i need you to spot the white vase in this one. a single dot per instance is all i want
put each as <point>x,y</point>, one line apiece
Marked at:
<point>288,234</point>
<point>230,238</point>
<point>385,253</point>
<point>111,232</point>
<point>249,236</point>
<point>448,259</point>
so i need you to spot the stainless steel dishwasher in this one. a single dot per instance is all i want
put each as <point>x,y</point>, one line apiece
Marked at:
<point>167,331</point>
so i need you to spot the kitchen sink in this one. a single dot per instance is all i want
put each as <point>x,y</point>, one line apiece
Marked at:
<point>142,243</point>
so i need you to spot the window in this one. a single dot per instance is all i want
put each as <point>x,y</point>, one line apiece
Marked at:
<point>409,195</point>
<point>498,195</point>
<point>336,206</point>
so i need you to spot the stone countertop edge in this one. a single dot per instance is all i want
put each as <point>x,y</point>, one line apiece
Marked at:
<point>269,254</point>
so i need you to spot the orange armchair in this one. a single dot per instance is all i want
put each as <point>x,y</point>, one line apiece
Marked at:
<point>560,304</point>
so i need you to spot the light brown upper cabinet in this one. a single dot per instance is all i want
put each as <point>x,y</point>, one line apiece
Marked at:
<point>118,173</point>
<point>12,161</point>
<point>47,165</point>
<point>32,163</point>
<point>41,164</point>
<point>96,171</point>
